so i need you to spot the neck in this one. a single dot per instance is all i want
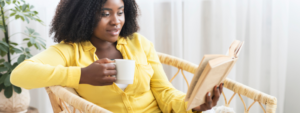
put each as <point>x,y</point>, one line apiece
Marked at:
<point>101,44</point>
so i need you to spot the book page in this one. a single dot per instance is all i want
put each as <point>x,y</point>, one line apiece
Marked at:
<point>237,52</point>
<point>233,47</point>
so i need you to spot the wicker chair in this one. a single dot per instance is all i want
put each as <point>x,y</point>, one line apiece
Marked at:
<point>66,100</point>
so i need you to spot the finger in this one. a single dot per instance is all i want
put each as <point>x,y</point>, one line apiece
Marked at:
<point>109,79</point>
<point>204,107</point>
<point>103,60</point>
<point>208,100</point>
<point>110,66</point>
<point>110,72</point>
<point>221,87</point>
<point>216,95</point>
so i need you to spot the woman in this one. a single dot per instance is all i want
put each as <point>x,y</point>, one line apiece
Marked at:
<point>91,32</point>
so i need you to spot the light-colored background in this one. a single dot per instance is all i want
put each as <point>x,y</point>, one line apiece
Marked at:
<point>191,28</point>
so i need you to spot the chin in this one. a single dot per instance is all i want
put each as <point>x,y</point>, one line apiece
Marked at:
<point>113,39</point>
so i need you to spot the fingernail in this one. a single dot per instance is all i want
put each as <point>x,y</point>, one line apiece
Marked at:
<point>208,93</point>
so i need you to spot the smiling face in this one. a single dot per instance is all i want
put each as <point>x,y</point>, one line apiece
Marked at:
<point>111,22</point>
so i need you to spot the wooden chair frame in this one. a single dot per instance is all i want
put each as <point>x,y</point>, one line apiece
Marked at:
<point>62,98</point>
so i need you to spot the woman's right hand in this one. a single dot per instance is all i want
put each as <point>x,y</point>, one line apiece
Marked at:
<point>99,73</point>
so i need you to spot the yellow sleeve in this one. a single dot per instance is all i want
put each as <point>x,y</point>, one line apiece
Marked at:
<point>168,98</point>
<point>48,68</point>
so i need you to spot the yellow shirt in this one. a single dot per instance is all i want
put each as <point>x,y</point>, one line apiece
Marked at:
<point>61,64</point>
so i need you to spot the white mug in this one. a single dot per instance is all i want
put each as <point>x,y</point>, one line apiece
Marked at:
<point>125,71</point>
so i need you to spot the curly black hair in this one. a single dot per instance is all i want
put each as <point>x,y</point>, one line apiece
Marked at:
<point>75,20</point>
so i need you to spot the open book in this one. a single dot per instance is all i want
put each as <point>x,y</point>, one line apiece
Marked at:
<point>212,71</point>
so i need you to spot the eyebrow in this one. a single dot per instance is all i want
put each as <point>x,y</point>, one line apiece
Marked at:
<point>111,9</point>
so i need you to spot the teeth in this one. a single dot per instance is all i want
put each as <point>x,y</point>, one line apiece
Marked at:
<point>114,32</point>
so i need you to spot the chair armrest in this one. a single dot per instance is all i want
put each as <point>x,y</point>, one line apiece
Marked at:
<point>240,89</point>
<point>73,100</point>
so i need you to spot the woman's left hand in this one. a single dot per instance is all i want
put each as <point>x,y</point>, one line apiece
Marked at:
<point>210,101</point>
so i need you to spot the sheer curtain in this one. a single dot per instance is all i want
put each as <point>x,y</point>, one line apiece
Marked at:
<point>191,28</point>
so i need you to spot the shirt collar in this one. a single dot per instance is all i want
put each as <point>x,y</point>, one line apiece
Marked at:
<point>87,45</point>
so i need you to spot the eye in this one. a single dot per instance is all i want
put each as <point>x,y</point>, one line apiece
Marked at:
<point>120,13</point>
<point>104,14</point>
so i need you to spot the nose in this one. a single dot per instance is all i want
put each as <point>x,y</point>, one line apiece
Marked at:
<point>115,20</point>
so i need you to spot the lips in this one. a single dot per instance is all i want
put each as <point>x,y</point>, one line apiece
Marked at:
<point>114,32</point>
